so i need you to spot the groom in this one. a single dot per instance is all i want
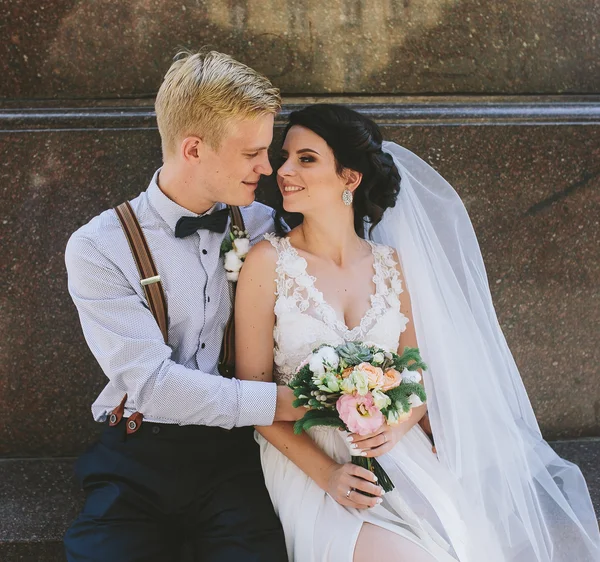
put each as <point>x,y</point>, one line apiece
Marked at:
<point>176,461</point>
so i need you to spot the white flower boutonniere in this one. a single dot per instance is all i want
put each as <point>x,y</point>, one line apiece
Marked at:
<point>235,248</point>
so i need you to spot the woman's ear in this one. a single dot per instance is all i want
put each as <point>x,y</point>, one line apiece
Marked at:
<point>352,179</point>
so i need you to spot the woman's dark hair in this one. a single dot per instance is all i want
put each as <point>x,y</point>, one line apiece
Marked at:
<point>356,144</point>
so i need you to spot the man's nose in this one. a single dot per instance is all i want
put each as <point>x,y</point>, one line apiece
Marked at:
<point>264,167</point>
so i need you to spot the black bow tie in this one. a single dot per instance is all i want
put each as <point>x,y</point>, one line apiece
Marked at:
<point>215,222</point>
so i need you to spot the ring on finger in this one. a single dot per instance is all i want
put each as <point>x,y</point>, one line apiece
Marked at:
<point>348,493</point>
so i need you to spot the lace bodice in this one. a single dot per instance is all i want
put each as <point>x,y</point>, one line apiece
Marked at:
<point>304,320</point>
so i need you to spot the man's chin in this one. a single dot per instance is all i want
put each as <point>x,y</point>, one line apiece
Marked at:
<point>240,201</point>
<point>249,199</point>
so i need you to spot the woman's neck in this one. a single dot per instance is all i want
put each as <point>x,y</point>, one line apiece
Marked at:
<point>333,240</point>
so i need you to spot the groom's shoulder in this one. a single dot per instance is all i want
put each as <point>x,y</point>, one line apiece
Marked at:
<point>101,234</point>
<point>259,220</point>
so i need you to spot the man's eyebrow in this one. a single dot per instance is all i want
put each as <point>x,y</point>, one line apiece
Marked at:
<point>259,149</point>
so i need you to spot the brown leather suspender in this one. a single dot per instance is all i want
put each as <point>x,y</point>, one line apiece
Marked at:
<point>150,280</point>
<point>227,356</point>
<point>155,296</point>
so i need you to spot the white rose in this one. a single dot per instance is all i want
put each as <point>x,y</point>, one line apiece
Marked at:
<point>380,399</point>
<point>414,400</point>
<point>411,376</point>
<point>347,386</point>
<point>232,261</point>
<point>361,381</point>
<point>232,275</point>
<point>329,356</point>
<point>378,358</point>
<point>241,246</point>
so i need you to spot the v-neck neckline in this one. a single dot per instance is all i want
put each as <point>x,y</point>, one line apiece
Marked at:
<point>321,303</point>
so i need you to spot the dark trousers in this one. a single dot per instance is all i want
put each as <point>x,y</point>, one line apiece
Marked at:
<point>169,489</point>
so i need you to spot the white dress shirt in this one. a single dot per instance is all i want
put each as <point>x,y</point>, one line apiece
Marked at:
<point>176,383</point>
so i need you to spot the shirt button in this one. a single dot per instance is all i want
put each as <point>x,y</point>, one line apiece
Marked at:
<point>207,299</point>
<point>156,430</point>
<point>203,346</point>
<point>204,252</point>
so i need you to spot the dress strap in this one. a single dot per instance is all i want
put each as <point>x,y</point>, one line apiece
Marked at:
<point>387,277</point>
<point>276,242</point>
<point>293,283</point>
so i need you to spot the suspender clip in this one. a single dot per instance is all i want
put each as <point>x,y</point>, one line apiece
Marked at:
<point>150,280</point>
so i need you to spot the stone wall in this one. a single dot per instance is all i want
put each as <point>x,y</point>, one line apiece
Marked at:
<point>108,48</point>
<point>502,98</point>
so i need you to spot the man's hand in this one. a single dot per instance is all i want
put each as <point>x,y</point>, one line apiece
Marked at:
<point>284,411</point>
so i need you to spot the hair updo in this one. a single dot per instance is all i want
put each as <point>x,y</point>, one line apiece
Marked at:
<point>356,144</point>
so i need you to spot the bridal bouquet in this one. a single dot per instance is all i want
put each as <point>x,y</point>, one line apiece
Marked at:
<point>358,387</point>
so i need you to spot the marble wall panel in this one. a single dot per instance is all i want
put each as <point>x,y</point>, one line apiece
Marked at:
<point>109,48</point>
<point>533,193</point>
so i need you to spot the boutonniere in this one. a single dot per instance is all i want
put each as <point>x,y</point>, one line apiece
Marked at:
<point>235,248</point>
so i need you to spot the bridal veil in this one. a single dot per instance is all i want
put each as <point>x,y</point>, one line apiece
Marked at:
<point>537,504</point>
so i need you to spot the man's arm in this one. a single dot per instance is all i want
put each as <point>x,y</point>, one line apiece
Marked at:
<point>127,343</point>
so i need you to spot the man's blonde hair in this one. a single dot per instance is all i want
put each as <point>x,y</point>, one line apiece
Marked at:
<point>202,92</point>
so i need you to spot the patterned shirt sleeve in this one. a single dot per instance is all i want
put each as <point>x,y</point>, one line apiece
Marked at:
<point>127,343</point>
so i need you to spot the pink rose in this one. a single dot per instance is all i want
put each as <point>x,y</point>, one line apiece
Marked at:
<point>392,379</point>
<point>359,413</point>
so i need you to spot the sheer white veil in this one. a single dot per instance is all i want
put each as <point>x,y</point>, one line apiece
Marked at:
<point>484,427</point>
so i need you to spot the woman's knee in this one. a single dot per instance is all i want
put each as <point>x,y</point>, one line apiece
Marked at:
<point>374,542</point>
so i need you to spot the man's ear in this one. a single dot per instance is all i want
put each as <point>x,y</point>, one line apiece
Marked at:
<point>191,149</point>
<point>352,179</point>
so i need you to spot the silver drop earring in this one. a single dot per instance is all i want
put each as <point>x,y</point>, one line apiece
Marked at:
<point>347,197</point>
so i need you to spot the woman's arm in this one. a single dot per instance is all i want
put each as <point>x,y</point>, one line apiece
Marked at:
<point>384,439</point>
<point>254,322</point>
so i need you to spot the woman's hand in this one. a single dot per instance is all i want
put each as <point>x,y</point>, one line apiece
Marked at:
<point>380,442</point>
<point>345,482</point>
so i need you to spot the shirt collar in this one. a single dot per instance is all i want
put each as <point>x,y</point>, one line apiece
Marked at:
<point>168,210</point>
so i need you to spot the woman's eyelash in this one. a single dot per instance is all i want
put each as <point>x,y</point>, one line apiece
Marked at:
<point>304,159</point>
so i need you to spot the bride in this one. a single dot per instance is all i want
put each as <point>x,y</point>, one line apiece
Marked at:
<point>386,254</point>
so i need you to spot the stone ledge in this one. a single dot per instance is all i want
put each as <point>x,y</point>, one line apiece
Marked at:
<point>401,110</point>
<point>39,498</point>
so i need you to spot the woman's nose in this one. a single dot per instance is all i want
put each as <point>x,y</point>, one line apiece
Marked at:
<point>286,169</point>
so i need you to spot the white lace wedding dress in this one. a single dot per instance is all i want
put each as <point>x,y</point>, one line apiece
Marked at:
<point>425,507</point>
